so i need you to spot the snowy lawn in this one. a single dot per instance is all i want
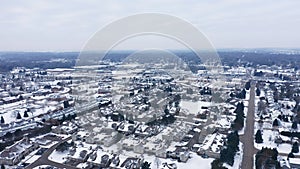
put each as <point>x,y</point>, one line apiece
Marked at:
<point>58,157</point>
<point>268,141</point>
<point>195,162</point>
<point>193,107</point>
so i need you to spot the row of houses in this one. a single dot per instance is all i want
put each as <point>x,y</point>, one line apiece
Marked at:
<point>14,154</point>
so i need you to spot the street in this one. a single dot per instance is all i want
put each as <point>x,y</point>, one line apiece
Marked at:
<point>248,138</point>
<point>43,160</point>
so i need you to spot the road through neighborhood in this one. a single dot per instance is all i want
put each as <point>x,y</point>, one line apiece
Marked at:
<point>248,137</point>
<point>43,160</point>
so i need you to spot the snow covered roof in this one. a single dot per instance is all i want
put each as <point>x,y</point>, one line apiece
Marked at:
<point>294,160</point>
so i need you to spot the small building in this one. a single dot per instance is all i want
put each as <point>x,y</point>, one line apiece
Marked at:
<point>8,100</point>
<point>65,128</point>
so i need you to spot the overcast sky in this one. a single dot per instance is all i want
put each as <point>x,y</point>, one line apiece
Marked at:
<point>66,25</point>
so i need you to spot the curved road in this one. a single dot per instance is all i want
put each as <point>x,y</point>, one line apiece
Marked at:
<point>43,160</point>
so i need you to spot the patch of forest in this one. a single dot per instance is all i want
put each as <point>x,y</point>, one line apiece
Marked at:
<point>46,60</point>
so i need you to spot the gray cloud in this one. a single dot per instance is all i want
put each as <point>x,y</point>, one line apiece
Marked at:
<point>60,25</point>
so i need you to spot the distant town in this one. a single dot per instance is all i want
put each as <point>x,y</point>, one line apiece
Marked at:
<point>129,115</point>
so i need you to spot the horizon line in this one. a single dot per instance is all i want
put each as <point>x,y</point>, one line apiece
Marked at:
<point>116,50</point>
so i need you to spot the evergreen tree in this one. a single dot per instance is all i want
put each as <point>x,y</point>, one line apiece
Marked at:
<point>64,118</point>
<point>275,123</point>
<point>239,120</point>
<point>257,92</point>
<point>266,157</point>
<point>295,147</point>
<point>224,155</point>
<point>227,154</point>
<point>291,155</point>
<point>176,103</point>
<point>275,154</point>
<point>146,165</point>
<point>261,118</point>
<point>19,116</point>
<point>25,114</point>
<point>217,164</point>
<point>166,111</point>
<point>295,125</point>
<point>276,96</point>
<point>21,97</point>
<point>2,120</point>
<point>279,117</point>
<point>2,166</point>
<point>242,105</point>
<point>230,156</point>
<point>247,85</point>
<point>258,137</point>
<point>243,94</point>
<point>177,97</point>
<point>233,141</point>
<point>66,104</point>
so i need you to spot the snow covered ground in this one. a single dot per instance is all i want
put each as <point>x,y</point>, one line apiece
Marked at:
<point>195,162</point>
<point>269,134</point>
<point>57,156</point>
<point>193,107</point>
<point>268,141</point>
<point>10,114</point>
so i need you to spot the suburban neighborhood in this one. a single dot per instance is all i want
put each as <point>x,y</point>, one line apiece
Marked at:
<point>116,115</point>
